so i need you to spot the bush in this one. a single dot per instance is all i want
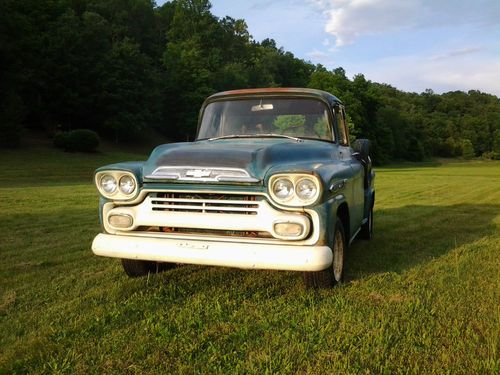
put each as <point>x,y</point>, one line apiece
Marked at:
<point>467,149</point>
<point>488,155</point>
<point>82,140</point>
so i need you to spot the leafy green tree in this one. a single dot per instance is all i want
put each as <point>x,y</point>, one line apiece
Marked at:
<point>128,91</point>
<point>467,149</point>
<point>124,66</point>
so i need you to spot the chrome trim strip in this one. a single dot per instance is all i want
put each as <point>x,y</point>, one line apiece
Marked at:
<point>201,174</point>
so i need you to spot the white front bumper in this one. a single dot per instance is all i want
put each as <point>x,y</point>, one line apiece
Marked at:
<point>228,254</point>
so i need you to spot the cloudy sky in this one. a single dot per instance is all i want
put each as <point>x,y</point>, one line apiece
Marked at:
<point>411,44</point>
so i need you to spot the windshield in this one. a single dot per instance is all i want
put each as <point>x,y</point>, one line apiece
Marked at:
<point>305,118</point>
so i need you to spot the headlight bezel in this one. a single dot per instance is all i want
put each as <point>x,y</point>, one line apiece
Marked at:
<point>121,185</point>
<point>117,194</point>
<point>292,190</point>
<point>295,178</point>
<point>102,184</point>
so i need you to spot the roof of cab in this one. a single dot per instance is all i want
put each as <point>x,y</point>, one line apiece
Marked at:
<point>276,91</point>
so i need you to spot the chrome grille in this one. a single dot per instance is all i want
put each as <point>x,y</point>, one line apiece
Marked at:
<point>205,203</point>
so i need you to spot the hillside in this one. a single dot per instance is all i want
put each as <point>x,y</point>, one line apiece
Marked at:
<point>122,67</point>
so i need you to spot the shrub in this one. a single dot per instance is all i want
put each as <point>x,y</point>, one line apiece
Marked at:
<point>488,155</point>
<point>82,140</point>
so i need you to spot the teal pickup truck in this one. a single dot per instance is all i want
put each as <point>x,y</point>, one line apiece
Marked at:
<point>271,182</point>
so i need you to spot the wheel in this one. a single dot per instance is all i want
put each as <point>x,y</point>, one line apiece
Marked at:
<point>138,268</point>
<point>334,274</point>
<point>366,232</point>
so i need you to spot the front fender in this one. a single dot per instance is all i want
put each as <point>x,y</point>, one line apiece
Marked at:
<point>134,167</point>
<point>327,213</point>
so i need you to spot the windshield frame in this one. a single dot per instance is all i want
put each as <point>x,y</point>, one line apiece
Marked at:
<point>330,114</point>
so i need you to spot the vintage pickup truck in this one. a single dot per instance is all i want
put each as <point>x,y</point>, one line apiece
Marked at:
<point>271,182</point>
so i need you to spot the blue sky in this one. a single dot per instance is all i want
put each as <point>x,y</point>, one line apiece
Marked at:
<point>411,44</point>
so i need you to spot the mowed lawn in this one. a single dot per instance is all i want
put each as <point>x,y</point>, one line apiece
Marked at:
<point>422,297</point>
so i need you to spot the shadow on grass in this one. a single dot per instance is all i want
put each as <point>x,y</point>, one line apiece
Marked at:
<point>408,236</point>
<point>404,238</point>
<point>410,165</point>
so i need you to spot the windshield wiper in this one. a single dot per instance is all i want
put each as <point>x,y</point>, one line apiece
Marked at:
<point>230,136</point>
<point>272,135</point>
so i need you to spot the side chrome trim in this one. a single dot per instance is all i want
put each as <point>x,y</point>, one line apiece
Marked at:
<point>338,185</point>
<point>354,236</point>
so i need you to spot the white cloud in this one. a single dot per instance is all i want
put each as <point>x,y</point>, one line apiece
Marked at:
<point>367,17</point>
<point>415,73</point>
<point>321,57</point>
<point>350,19</point>
<point>456,52</point>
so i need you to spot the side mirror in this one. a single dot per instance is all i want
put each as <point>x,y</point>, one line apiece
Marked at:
<point>361,148</point>
<point>362,153</point>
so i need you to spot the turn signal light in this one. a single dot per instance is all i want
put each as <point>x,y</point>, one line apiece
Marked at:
<point>120,221</point>
<point>289,229</point>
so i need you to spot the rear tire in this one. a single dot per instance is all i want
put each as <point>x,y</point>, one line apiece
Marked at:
<point>138,268</point>
<point>366,232</point>
<point>334,274</point>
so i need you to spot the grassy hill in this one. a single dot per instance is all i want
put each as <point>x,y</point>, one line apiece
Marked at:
<point>422,297</point>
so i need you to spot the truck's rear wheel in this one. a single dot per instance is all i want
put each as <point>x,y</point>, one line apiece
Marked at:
<point>334,274</point>
<point>138,268</point>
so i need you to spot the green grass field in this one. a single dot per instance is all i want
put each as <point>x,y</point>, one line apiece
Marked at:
<point>422,297</point>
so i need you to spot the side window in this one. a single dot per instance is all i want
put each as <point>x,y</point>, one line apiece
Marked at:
<point>342,128</point>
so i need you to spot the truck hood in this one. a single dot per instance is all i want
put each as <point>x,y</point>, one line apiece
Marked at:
<point>255,156</point>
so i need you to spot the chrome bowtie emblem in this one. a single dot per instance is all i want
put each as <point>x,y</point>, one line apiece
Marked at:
<point>198,173</point>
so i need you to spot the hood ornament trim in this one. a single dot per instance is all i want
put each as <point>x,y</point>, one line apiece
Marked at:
<point>201,174</point>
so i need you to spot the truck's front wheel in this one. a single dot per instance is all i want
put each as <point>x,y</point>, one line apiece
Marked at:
<point>334,274</point>
<point>138,268</point>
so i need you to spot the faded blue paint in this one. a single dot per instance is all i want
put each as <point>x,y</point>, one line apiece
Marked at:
<point>264,157</point>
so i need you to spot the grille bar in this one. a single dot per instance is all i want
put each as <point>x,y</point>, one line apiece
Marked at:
<point>200,214</point>
<point>202,203</point>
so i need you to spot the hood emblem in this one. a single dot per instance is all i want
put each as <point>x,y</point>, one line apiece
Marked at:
<point>201,174</point>
<point>198,173</point>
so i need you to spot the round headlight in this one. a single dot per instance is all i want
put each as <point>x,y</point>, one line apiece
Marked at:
<point>283,188</point>
<point>306,189</point>
<point>108,184</point>
<point>127,185</point>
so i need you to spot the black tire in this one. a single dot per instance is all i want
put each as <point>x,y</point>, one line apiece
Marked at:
<point>138,268</point>
<point>334,274</point>
<point>366,232</point>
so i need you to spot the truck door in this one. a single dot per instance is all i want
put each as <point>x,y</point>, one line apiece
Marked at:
<point>356,208</point>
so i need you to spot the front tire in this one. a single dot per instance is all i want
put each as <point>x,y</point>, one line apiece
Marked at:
<point>138,268</point>
<point>334,274</point>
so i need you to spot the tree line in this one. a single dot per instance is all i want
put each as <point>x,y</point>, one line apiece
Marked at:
<point>121,66</point>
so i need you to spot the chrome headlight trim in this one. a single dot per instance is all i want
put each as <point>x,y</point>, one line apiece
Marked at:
<point>117,194</point>
<point>285,181</point>
<point>127,184</point>
<point>107,180</point>
<point>294,200</point>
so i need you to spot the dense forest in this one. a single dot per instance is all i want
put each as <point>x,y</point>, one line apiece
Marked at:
<point>121,66</point>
